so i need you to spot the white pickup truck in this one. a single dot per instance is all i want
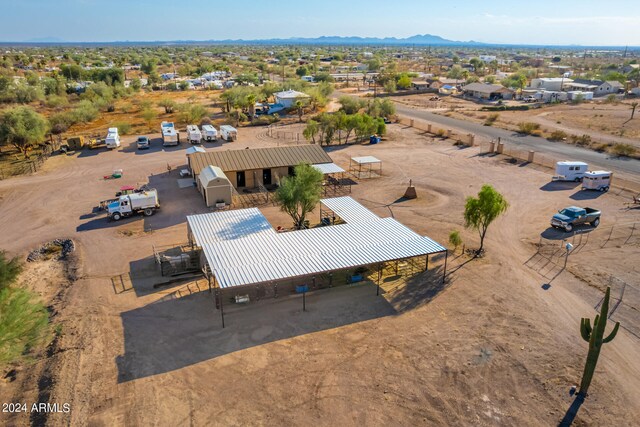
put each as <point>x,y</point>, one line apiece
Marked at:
<point>145,202</point>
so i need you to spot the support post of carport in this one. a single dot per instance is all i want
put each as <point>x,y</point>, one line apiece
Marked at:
<point>444,273</point>
<point>221,299</point>
<point>379,277</point>
<point>426,264</point>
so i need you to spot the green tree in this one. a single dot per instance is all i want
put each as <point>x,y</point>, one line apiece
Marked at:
<point>481,211</point>
<point>168,104</point>
<point>311,130</point>
<point>23,128</point>
<point>298,195</point>
<point>404,82</point>
<point>302,71</point>
<point>390,86</point>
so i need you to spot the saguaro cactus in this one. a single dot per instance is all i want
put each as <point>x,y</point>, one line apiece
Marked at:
<point>594,337</point>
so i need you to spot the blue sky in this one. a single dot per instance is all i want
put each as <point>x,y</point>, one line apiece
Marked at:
<point>587,22</point>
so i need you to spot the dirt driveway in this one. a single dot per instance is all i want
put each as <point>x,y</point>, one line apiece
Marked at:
<point>493,347</point>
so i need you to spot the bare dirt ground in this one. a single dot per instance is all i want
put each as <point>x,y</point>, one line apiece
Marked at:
<point>492,347</point>
<point>604,122</point>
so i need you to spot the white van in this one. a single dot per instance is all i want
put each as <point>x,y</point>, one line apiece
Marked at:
<point>193,134</point>
<point>209,133</point>
<point>597,180</point>
<point>228,133</point>
<point>113,139</point>
<point>570,171</point>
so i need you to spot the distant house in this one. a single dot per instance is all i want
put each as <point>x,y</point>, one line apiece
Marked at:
<point>487,91</point>
<point>609,87</point>
<point>288,98</point>
<point>636,91</point>
<point>420,84</point>
<point>169,76</point>
<point>629,68</point>
<point>551,83</point>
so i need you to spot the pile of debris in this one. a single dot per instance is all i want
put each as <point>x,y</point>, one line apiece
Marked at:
<point>62,247</point>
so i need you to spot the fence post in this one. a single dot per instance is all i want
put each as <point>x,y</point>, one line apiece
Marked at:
<point>472,139</point>
<point>449,133</point>
<point>531,155</point>
<point>500,147</point>
<point>429,128</point>
<point>411,122</point>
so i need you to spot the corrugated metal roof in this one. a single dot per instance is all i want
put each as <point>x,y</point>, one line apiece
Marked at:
<point>195,149</point>
<point>242,248</point>
<point>211,173</point>
<point>327,168</point>
<point>365,159</point>
<point>228,225</point>
<point>259,158</point>
<point>263,258</point>
<point>349,210</point>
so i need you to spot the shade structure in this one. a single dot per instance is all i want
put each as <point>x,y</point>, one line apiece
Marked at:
<point>349,210</point>
<point>255,254</point>
<point>328,168</point>
<point>227,225</point>
<point>364,160</point>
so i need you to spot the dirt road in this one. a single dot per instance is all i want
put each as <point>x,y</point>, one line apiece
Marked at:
<point>494,347</point>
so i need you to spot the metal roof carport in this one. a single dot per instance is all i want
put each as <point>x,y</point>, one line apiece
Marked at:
<point>261,255</point>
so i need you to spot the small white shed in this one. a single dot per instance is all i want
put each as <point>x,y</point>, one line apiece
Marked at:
<point>214,186</point>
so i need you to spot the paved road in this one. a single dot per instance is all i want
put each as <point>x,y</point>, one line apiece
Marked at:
<point>557,149</point>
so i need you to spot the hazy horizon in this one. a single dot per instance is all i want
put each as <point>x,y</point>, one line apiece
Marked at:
<point>586,23</point>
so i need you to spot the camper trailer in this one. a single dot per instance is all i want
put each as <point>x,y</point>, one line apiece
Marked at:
<point>228,133</point>
<point>113,139</point>
<point>597,180</point>
<point>170,136</point>
<point>570,171</point>
<point>209,133</point>
<point>193,134</point>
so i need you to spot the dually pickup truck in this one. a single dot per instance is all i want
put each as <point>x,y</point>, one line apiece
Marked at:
<point>569,217</point>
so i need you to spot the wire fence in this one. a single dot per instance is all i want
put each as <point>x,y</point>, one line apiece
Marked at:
<point>23,167</point>
<point>620,184</point>
<point>430,128</point>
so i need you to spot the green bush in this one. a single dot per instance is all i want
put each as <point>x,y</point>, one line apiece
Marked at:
<point>124,128</point>
<point>557,135</point>
<point>57,101</point>
<point>623,150</point>
<point>264,120</point>
<point>528,128</point>
<point>455,239</point>
<point>85,112</point>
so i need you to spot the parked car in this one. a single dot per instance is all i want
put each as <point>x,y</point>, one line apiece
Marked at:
<point>530,99</point>
<point>568,218</point>
<point>143,143</point>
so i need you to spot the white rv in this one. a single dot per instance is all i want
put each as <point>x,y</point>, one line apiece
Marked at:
<point>228,133</point>
<point>170,135</point>
<point>570,171</point>
<point>597,180</point>
<point>209,133</point>
<point>193,134</point>
<point>113,139</point>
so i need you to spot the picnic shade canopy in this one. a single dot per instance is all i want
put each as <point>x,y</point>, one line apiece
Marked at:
<point>365,167</point>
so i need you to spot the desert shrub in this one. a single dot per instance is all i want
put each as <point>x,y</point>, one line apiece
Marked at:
<point>528,128</point>
<point>611,99</point>
<point>557,135</point>
<point>57,101</point>
<point>85,112</point>
<point>191,113</point>
<point>491,119</point>
<point>124,128</point>
<point>440,133</point>
<point>60,122</point>
<point>623,150</point>
<point>24,323</point>
<point>264,120</point>
<point>582,140</point>
<point>455,239</point>
<point>600,148</point>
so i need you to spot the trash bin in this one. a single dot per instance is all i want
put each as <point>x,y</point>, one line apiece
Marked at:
<point>302,288</point>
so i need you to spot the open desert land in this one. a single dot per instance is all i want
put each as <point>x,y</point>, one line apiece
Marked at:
<point>605,122</point>
<point>497,344</point>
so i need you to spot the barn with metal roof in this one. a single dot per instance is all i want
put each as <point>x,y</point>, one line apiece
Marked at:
<point>250,168</point>
<point>242,253</point>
